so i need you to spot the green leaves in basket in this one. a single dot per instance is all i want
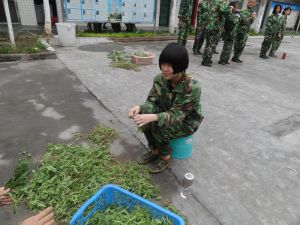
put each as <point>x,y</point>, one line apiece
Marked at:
<point>118,215</point>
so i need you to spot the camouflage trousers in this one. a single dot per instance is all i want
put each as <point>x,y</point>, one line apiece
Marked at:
<point>183,32</point>
<point>159,137</point>
<point>275,44</point>
<point>239,44</point>
<point>266,44</point>
<point>210,38</point>
<point>226,51</point>
<point>199,40</point>
<point>217,40</point>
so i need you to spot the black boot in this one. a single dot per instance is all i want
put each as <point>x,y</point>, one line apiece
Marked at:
<point>236,60</point>
<point>206,64</point>
<point>263,56</point>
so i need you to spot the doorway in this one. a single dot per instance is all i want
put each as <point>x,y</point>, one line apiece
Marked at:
<point>12,10</point>
<point>39,10</point>
<point>164,13</point>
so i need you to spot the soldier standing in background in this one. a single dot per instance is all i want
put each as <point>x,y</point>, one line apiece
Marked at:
<point>230,25</point>
<point>184,20</point>
<point>200,29</point>
<point>213,13</point>
<point>282,26</point>
<point>271,32</point>
<point>247,17</point>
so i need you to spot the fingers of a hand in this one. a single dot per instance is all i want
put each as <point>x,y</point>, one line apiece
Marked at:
<point>47,219</point>
<point>5,199</point>
<point>44,213</point>
<point>51,222</point>
<point>4,191</point>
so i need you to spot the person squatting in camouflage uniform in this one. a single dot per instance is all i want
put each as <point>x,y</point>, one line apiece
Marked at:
<point>282,26</point>
<point>184,20</point>
<point>200,31</point>
<point>271,32</point>
<point>172,108</point>
<point>247,17</point>
<point>212,13</point>
<point>230,25</point>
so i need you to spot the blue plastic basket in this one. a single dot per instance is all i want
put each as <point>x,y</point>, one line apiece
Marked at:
<point>182,148</point>
<point>113,195</point>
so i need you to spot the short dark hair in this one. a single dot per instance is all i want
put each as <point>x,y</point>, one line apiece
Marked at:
<point>176,55</point>
<point>275,7</point>
<point>286,9</point>
<point>234,3</point>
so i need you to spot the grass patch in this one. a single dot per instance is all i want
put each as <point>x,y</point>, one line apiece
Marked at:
<point>25,43</point>
<point>70,174</point>
<point>119,59</point>
<point>123,34</point>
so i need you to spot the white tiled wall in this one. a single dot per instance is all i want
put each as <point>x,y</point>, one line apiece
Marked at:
<point>27,12</point>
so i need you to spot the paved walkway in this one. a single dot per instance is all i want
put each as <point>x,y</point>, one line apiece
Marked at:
<point>246,154</point>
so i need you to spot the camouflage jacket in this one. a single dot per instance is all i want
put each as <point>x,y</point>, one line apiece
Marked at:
<point>245,21</point>
<point>231,22</point>
<point>272,25</point>
<point>186,9</point>
<point>173,106</point>
<point>211,13</point>
<point>282,24</point>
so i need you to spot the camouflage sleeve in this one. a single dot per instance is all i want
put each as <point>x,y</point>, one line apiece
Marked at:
<point>151,104</point>
<point>224,9</point>
<point>282,24</point>
<point>185,8</point>
<point>269,24</point>
<point>183,106</point>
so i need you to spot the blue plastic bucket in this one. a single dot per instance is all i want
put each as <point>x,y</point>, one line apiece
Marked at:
<point>182,148</point>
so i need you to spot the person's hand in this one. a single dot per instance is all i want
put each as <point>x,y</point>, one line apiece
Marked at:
<point>253,15</point>
<point>5,199</point>
<point>180,23</point>
<point>45,217</point>
<point>198,29</point>
<point>134,111</point>
<point>143,119</point>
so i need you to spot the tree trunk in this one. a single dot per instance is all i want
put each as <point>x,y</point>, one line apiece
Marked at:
<point>47,28</point>
<point>9,24</point>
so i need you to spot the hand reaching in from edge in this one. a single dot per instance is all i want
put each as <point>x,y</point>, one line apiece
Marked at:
<point>5,199</point>
<point>45,217</point>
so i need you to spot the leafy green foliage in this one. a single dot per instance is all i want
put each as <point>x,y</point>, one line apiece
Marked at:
<point>119,215</point>
<point>122,60</point>
<point>70,174</point>
<point>25,43</point>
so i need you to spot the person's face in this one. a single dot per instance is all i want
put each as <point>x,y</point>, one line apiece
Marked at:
<point>167,70</point>
<point>288,12</point>
<point>278,9</point>
<point>251,3</point>
<point>234,9</point>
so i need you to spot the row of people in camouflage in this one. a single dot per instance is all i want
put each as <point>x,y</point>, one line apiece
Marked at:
<point>216,17</point>
<point>275,30</point>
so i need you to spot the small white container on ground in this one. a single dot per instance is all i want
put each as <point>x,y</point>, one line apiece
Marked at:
<point>66,34</point>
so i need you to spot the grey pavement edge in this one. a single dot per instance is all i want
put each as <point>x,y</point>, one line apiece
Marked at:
<point>246,156</point>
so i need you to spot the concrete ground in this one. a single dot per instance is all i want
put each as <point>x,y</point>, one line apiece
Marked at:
<point>42,102</point>
<point>246,156</point>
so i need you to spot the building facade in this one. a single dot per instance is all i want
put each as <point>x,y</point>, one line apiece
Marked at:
<point>31,12</point>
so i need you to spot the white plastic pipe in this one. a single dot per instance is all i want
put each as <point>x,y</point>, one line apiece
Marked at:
<point>9,24</point>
